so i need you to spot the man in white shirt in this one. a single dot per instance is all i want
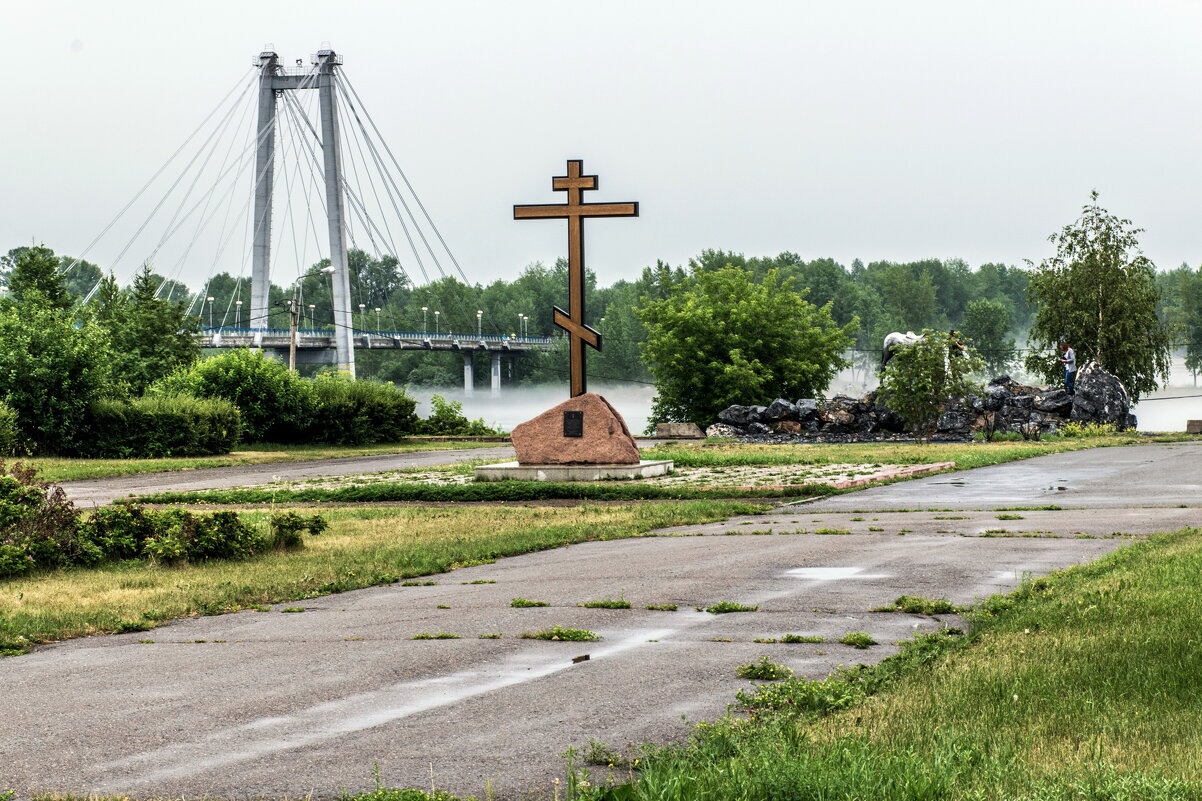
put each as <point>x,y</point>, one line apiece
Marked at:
<point>1069,359</point>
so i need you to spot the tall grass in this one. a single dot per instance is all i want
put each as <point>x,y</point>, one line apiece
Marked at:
<point>361,548</point>
<point>1081,687</point>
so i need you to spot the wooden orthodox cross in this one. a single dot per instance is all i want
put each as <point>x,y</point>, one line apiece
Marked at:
<point>574,212</point>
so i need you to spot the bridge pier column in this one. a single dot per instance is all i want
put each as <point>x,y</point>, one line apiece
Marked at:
<point>496,374</point>
<point>469,378</point>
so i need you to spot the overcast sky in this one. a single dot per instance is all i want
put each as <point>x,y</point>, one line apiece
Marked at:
<point>877,130</point>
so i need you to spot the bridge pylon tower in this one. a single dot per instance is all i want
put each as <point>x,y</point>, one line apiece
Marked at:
<point>273,80</point>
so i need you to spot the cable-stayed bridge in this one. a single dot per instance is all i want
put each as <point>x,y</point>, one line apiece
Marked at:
<point>281,182</point>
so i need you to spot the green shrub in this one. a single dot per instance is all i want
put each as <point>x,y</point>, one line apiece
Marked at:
<point>10,431</point>
<point>446,419</point>
<point>153,427</point>
<point>39,527</point>
<point>350,412</point>
<point>286,528</point>
<point>51,369</point>
<point>126,531</point>
<point>276,405</point>
<point>763,670</point>
<point>1078,429</point>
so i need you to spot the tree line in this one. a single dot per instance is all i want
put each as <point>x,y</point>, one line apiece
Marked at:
<point>990,304</point>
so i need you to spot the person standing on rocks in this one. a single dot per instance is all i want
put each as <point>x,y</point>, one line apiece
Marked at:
<point>1069,359</point>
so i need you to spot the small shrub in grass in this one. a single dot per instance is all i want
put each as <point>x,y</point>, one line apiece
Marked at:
<point>857,639</point>
<point>662,607</point>
<point>442,635</point>
<point>561,633</point>
<point>763,670</point>
<point>724,607</point>
<point>446,419</point>
<point>286,529</point>
<point>524,603</point>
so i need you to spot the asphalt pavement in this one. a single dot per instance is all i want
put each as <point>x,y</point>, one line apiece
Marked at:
<point>268,704</point>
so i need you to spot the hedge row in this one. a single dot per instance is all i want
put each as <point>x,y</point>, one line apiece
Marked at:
<point>10,431</point>
<point>277,405</point>
<point>40,529</point>
<point>484,491</point>
<point>154,427</point>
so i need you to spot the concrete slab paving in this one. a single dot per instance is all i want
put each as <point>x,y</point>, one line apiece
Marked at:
<point>273,703</point>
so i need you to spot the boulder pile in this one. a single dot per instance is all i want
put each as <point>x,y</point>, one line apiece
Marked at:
<point>1003,406</point>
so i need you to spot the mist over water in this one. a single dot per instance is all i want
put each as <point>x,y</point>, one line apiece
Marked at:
<point>1165,410</point>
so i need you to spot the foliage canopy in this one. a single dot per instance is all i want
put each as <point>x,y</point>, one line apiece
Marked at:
<point>923,376</point>
<point>721,338</point>
<point>1099,293</point>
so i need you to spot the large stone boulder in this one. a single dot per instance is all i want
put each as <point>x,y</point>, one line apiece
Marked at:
<point>741,416</point>
<point>807,409</point>
<point>1056,401</point>
<point>778,411</point>
<point>581,430</point>
<point>1101,398</point>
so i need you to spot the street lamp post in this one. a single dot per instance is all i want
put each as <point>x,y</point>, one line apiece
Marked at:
<point>294,311</point>
<point>479,317</point>
<point>238,314</point>
<point>312,316</point>
<point>362,316</point>
<point>210,300</point>
<point>377,319</point>
<point>436,313</point>
<point>424,321</point>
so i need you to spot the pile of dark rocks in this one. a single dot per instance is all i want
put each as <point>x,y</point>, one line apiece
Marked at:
<point>1003,406</point>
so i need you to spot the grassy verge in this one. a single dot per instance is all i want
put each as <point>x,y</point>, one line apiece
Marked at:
<point>61,469</point>
<point>491,491</point>
<point>362,548</point>
<point>1080,687</point>
<point>965,455</point>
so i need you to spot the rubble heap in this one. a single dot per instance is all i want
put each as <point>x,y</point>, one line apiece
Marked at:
<point>1003,406</point>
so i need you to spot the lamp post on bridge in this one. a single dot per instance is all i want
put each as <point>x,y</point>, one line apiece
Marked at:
<point>294,311</point>
<point>479,316</point>
<point>377,319</point>
<point>436,313</point>
<point>362,316</point>
<point>424,321</point>
<point>238,314</point>
<point>312,315</point>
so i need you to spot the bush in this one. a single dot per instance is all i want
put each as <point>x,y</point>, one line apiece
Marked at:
<point>40,528</point>
<point>286,528</point>
<point>50,372</point>
<point>350,412</point>
<point>152,427</point>
<point>446,420</point>
<point>10,431</point>
<point>276,405</point>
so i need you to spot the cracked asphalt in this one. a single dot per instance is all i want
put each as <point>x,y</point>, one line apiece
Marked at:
<point>272,703</point>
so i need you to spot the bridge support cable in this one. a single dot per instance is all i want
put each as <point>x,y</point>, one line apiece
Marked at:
<point>240,83</point>
<point>346,81</point>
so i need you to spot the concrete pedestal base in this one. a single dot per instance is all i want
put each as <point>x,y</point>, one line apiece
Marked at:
<point>572,472</point>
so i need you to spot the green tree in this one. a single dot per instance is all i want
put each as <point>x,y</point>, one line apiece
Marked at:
<point>1099,294</point>
<point>51,370</point>
<point>151,336</point>
<point>722,339</point>
<point>922,377</point>
<point>987,326</point>
<point>34,272</point>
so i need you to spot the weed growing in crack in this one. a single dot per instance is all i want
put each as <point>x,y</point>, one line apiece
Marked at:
<point>857,639</point>
<point>763,670</point>
<point>562,633</point>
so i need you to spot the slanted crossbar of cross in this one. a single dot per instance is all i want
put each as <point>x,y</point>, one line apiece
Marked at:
<point>574,211</point>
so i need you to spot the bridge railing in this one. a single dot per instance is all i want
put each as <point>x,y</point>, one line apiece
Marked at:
<point>277,334</point>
